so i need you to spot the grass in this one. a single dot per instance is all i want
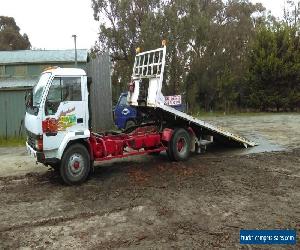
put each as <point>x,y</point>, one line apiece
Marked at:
<point>12,141</point>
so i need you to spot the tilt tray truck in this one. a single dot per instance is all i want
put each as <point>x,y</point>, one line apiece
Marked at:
<point>57,122</point>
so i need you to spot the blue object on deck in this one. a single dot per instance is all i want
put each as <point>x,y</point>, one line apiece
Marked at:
<point>124,113</point>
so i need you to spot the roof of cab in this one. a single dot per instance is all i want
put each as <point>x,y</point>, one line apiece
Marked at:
<point>65,71</point>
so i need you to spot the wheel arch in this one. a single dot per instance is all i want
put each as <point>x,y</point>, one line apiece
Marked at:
<point>71,141</point>
<point>82,141</point>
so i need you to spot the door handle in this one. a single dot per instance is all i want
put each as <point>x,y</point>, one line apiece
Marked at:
<point>51,134</point>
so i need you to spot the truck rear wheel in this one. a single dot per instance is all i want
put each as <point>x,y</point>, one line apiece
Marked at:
<point>170,154</point>
<point>75,165</point>
<point>180,145</point>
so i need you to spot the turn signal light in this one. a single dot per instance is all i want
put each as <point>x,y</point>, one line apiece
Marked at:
<point>50,68</point>
<point>39,143</point>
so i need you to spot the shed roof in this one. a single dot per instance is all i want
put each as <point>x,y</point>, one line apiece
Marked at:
<point>42,56</point>
<point>17,83</point>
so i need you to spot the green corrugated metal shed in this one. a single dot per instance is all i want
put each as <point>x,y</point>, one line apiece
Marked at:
<point>12,111</point>
<point>12,105</point>
<point>11,83</point>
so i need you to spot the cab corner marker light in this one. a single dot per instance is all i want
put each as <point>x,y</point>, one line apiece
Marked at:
<point>50,68</point>
<point>164,42</point>
<point>138,50</point>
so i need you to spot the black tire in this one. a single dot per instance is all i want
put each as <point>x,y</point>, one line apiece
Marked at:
<point>75,164</point>
<point>170,154</point>
<point>180,145</point>
<point>129,124</point>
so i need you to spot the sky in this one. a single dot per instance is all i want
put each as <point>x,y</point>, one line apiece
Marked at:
<point>51,24</point>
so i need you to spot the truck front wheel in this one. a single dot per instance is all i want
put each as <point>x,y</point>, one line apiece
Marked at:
<point>75,165</point>
<point>180,145</point>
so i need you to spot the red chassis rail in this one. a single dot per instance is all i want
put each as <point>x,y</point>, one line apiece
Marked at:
<point>142,140</point>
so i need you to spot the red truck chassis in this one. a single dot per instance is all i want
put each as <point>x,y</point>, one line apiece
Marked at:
<point>142,140</point>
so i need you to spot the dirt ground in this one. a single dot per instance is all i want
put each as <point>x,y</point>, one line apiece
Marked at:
<point>149,202</point>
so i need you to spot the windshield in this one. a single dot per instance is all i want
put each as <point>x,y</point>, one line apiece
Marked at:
<point>39,89</point>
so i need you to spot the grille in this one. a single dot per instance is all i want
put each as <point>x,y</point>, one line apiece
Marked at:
<point>31,141</point>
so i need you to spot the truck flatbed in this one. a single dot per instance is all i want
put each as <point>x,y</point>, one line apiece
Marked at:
<point>218,132</point>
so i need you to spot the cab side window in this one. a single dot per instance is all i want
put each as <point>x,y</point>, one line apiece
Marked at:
<point>123,101</point>
<point>71,89</point>
<point>62,89</point>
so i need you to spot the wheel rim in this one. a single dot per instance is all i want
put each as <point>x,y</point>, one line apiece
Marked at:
<point>76,164</point>
<point>181,144</point>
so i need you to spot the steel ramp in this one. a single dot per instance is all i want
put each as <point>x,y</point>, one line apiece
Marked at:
<point>219,131</point>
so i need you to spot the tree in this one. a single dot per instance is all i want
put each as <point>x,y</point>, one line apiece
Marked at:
<point>220,54</point>
<point>291,12</point>
<point>222,33</point>
<point>274,66</point>
<point>10,37</point>
<point>126,25</point>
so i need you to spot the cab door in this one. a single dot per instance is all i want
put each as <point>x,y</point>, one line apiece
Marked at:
<point>64,110</point>
<point>123,112</point>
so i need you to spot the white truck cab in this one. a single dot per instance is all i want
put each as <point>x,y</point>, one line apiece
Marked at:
<point>56,113</point>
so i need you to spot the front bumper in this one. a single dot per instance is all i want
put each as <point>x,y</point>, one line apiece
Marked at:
<point>40,156</point>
